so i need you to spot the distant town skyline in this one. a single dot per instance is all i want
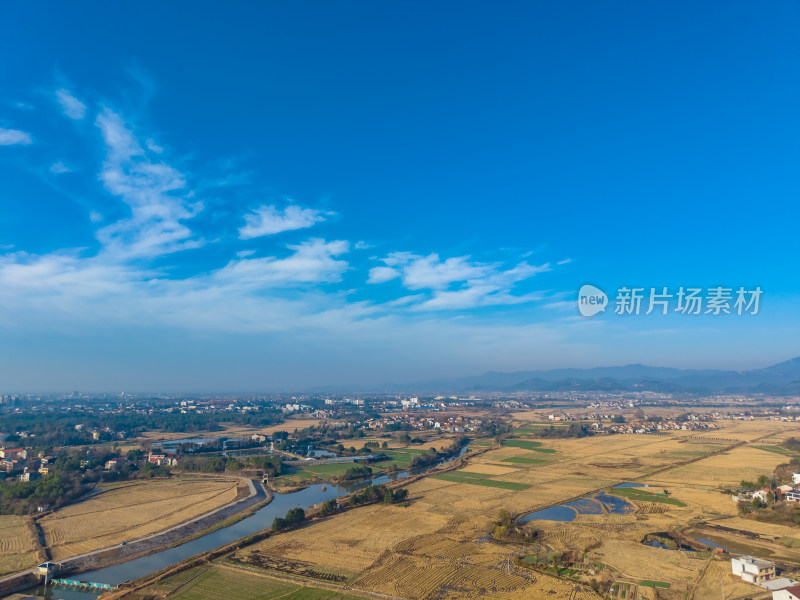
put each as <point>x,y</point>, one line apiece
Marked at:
<point>286,196</point>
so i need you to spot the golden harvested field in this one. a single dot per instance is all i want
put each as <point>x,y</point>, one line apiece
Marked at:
<point>440,545</point>
<point>230,430</point>
<point>16,546</point>
<point>717,575</point>
<point>412,552</point>
<point>132,511</point>
<point>726,469</point>
<point>289,425</point>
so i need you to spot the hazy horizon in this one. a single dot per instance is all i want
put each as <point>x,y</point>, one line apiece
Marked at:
<point>278,198</point>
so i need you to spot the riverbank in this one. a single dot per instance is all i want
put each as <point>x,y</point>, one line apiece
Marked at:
<point>246,530</point>
<point>167,538</point>
<point>129,588</point>
<point>199,526</point>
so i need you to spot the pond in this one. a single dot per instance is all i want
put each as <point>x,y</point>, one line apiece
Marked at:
<point>597,504</point>
<point>709,543</point>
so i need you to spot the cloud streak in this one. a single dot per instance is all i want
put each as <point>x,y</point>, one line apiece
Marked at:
<point>70,105</point>
<point>456,283</point>
<point>268,220</point>
<point>14,137</point>
<point>155,192</point>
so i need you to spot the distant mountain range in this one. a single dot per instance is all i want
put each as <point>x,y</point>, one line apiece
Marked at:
<point>778,380</point>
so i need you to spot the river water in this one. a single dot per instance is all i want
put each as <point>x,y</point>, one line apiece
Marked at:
<point>261,519</point>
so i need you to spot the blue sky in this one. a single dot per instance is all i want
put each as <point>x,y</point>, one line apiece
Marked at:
<point>283,195</point>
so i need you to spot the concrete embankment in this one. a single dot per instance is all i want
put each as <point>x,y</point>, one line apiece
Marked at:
<point>107,557</point>
<point>17,582</point>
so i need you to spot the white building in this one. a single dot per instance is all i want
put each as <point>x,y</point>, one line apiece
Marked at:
<point>796,478</point>
<point>752,569</point>
<point>789,593</point>
<point>761,495</point>
<point>792,496</point>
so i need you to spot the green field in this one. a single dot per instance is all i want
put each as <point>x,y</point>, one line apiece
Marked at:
<point>776,450</point>
<point>643,496</point>
<point>524,460</point>
<point>654,584</point>
<point>399,458</point>
<point>331,470</point>
<point>480,479</point>
<point>525,444</point>
<point>219,583</point>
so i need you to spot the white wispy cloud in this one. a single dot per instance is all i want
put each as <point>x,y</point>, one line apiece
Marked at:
<point>313,261</point>
<point>382,274</point>
<point>14,137</point>
<point>70,105</point>
<point>287,290</point>
<point>432,273</point>
<point>156,193</point>
<point>457,282</point>
<point>59,168</point>
<point>269,220</point>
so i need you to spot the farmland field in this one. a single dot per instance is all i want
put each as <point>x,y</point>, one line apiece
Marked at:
<point>16,546</point>
<point>464,477</point>
<point>645,496</point>
<point>132,511</point>
<point>220,582</point>
<point>441,545</point>
<point>523,460</point>
<point>399,458</point>
<point>229,430</point>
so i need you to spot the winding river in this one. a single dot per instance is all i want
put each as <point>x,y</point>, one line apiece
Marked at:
<point>258,521</point>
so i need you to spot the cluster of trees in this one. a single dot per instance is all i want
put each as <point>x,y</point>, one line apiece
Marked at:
<point>293,518</point>
<point>22,497</point>
<point>762,482</point>
<point>68,480</point>
<point>328,508</point>
<point>792,444</point>
<point>378,493</point>
<point>505,529</point>
<point>357,472</point>
<point>573,430</point>
<point>433,456</point>
<point>271,465</point>
<point>58,429</point>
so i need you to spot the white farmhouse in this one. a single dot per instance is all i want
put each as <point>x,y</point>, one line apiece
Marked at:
<point>789,593</point>
<point>752,569</point>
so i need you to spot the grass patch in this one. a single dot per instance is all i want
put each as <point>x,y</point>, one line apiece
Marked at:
<point>526,444</point>
<point>523,460</point>
<point>330,469</point>
<point>457,477</point>
<point>654,584</point>
<point>643,496</point>
<point>462,476</point>
<point>776,450</point>
<point>219,583</point>
<point>790,542</point>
